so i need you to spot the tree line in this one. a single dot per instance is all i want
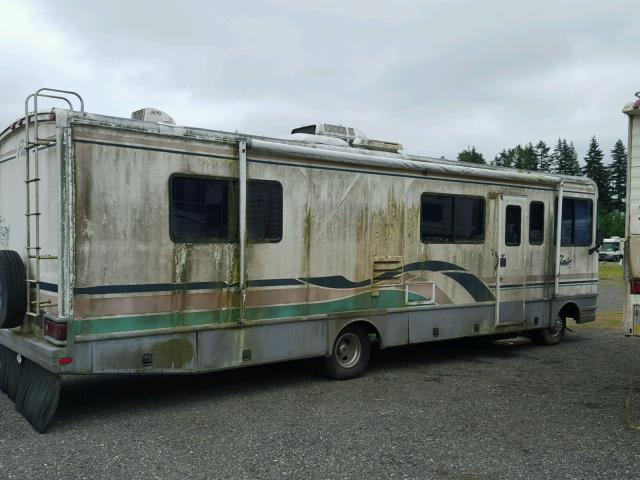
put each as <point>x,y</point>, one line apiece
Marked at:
<point>610,178</point>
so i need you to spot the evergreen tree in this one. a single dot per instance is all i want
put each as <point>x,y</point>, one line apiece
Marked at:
<point>471,155</point>
<point>573,167</point>
<point>544,160</point>
<point>505,158</point>
<point>594,169</point>
<point>618,175</point>
<point>557,157</point>
<point>525,157</point>
<point>565,158</point>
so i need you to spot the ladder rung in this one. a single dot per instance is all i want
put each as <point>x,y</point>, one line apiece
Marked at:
<point>34,214</point>
<point>31,280</point>
<point>33,314</point>
<point>32,180</point>
<point>40,142</point>
<point>46,303</point>
<point>44,257</point>
<point>34,248</point>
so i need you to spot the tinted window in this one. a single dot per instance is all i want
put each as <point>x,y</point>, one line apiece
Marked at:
<point>577,222</point>
<point>447,218</point>
<point>536,223</point>
<point>264,211</point>
<point>468,215</point>
<point>206,210</point>
<point>199,209</point>
<point>512,225</point>
<point>437,218</point>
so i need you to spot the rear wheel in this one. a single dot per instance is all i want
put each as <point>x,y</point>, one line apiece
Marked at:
<point>551,335</point>
<point>13,289</point>
<point>350,354</point>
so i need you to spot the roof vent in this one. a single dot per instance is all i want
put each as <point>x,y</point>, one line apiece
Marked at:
<point>379,145</point>
<point>330,130</point>
<point>353,136</point>
<point>152,115</point>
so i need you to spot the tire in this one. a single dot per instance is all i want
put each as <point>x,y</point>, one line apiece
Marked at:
<point>13,289</point>
<point>350,354</point>
<point>551,335</point>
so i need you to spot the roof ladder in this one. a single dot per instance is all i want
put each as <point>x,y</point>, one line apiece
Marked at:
<point>32,145</point>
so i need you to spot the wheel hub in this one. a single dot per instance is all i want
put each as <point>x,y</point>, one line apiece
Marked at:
<point>348,350</point>
<point>557,327</point>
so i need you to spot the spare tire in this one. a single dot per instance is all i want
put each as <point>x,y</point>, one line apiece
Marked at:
<point>13,289</point>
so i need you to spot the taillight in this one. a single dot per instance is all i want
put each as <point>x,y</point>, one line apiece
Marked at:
<point>55,330</point>
<point>52,116</point>
<point>635,286</point>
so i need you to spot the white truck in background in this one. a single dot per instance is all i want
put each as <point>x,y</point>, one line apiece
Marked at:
<point>632,222</point>
<point>611,250</point>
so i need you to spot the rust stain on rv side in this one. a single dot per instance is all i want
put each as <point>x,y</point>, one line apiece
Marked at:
<point>181,261</point>
<point>234,269</point>
<point>181,265</point>
<point>176,353</point>
<point>307,249</point>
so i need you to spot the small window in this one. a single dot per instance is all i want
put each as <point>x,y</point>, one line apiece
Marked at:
<point>206,210</point>
<point>536,223</point>
<point>264,211</point>
<point>448,218</point>
<point>577,222</point>
<point>437,218</point>
<point>199,209</point>
<point>512,226</point>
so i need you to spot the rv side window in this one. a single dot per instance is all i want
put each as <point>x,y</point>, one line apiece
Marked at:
<point>199,209</point>
<point>577,222</point>
<point>512,226</point>
<point>206,210</point>
<point>264,211</point>
<point>450,218</point>
<point>536,223</point>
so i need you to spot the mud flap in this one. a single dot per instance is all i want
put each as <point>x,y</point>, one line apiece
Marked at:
<point>10,371</point>
<point>36,391</point>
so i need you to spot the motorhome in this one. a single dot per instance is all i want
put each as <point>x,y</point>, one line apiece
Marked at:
<point>135,245</point>
<point>632,222</point>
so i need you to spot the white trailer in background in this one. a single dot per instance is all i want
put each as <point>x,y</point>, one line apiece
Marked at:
<point>632,222</point>
<point>611,250</point>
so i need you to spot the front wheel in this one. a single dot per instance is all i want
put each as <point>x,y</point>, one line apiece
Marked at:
<point>551,335</point>
<point>350,354</point>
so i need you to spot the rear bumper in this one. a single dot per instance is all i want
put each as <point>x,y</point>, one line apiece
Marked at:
<point>35,349</point>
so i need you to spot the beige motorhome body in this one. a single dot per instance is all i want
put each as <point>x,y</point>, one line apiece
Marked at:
<point>632,222</point>
<point>360,243</point>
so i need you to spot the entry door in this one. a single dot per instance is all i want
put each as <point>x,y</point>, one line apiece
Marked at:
<point>510,275</point>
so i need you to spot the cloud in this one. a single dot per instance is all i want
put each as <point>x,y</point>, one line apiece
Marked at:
<point>436,76</point>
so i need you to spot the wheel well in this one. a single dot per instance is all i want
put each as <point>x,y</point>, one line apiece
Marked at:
<point>369,327</point>
<point>570,310</point>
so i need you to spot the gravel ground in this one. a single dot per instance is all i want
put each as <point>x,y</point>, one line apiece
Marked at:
<point>611,295</point>
<point>452,410</point>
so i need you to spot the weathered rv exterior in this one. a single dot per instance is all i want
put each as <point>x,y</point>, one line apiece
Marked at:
<point>170,249</point>
<point>632,222</point>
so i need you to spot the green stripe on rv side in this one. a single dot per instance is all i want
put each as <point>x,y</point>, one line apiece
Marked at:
<point>362,302</point>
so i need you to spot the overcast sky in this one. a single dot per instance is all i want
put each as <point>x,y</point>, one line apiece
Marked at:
<point>435,76</point>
